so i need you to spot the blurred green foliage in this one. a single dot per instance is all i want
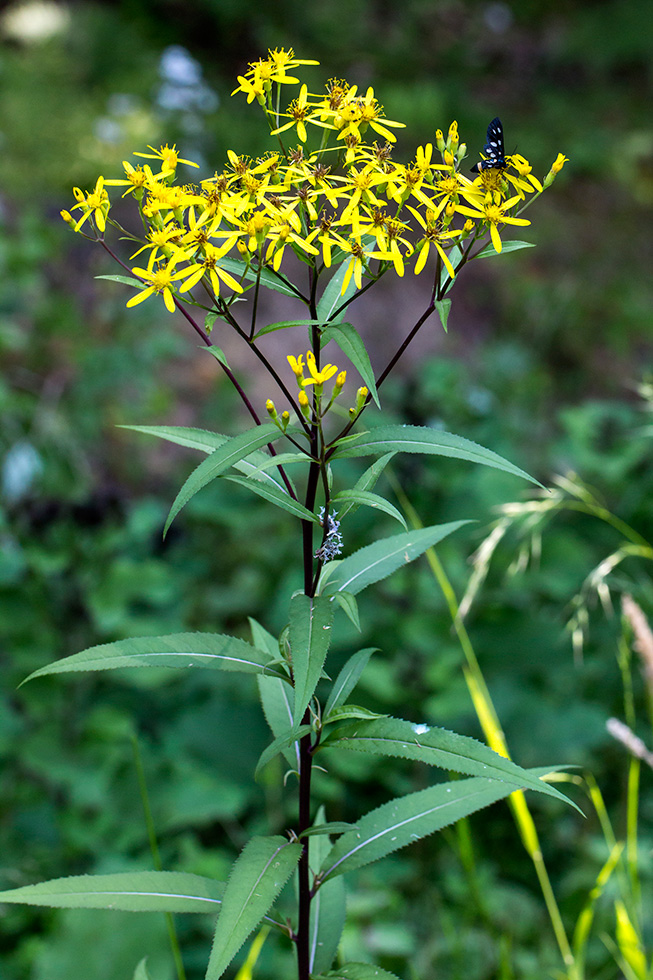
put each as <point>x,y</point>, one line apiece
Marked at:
<point>539,364</point>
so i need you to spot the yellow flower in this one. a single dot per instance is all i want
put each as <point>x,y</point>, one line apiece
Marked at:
<point>169,158</point>
<point>556,167</point>
<point>209,265</point>
<point>523,168</point>
<point>300,111</point>
<point>318,377</point>
<point>354,117</point>
<point>434,235</point>
<point>493,215</point>
<point>297,365</point>
<point>137,179</point>
<point>158,280</point>
<point>95,203</point>
<point>258,80</point>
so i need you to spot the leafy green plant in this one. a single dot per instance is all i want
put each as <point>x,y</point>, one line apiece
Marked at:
<point>350,215</point>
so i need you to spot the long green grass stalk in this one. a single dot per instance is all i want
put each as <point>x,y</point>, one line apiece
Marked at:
<point>156,857</point>
<point>494,735</point>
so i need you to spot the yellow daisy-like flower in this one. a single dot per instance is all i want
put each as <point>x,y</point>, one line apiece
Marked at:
<point>297,365</point>
<point>318,377</point>
<point>434,236</point>
<point>494,215</point>
<point>158,280</point>
<point>95,203</point>
<point>301,111</point>
<point>209,266</point>
<point>169,158</point>
<point>137,179</point>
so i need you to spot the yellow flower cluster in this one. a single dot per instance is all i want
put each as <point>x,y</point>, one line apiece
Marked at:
<point>345,200</point>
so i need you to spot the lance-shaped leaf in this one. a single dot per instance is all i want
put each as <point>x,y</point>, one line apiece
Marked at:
<point>277,698</point>
<point>141,972</point>
<point>282,742</point>
<point>280,498</point>
<point>255,465</point>
<point>260,872</point>
<point>507,247</point>
<point>130,891</point>
<point>221,460</point>
<point>377,561</point>
<point>328,907</point>
<point>213,650</point>
<point>443,307</point>
<point>352,346</point>
<point>374,500</point>
<point>347,679</point>
<point>310,636</point>
<point>283,325</point>
<point>266,277</point>
<point>421,439</point>
<point>366,482</point>
<point>357,971</point>
<point>409,818</point>
<point>332,298</point>
<point>435,747</point>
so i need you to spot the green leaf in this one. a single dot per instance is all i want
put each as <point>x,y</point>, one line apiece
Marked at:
<point>366,481</point>
<point>126,280</point>
<point>214,650</point>
<point>277,697</point>
<point>280,498</point>
<point>328,907</point>
<point>260,872</point>
<point>349,606</point>
<point>349,342</point>
<point>218,354</point>
<point>282,742</point>
<point>409,818</point>
<point>265,277</point>
<point>377,561</point>
<point>141,971</point>
<point>435,747</point>
<point>347,679</point>
<point>420,439</point>
<point>182,436</point>
<point>373,500</point>
<point>507,247</point>
<point>332,297</point>
<point>357,971</point>
<point>221,460</point>
<point>254,465</point>
<point>130,891</point>
<point>310,636</point>
<point>347,711</point>
<point>281,459</point>
<point>278,702</point>
<point>443,306</point>
<point>285,324</point>
<point>334,827</point>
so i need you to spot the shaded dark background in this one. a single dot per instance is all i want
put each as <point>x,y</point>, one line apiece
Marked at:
<point>542,361</point>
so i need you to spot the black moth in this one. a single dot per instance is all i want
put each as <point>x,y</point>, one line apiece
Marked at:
<point>493,149</point>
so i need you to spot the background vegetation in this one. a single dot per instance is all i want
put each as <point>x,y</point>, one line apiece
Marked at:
<point>542,361</point>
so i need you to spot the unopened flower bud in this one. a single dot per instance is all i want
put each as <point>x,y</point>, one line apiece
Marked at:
<point>304,405</point>
<point>462,152</point>
<point>340,381</point>
<point>68,218</point>
<point>271,410</point>
<point>448,158</point>
<point>439,140</point>
<point>361,398</point>
<point>557,166</point>
<point>285,419</point>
